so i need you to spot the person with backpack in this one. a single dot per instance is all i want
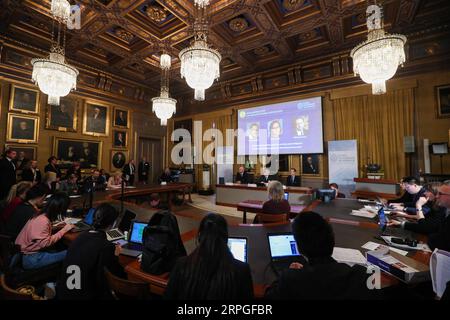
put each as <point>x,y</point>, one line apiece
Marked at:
<point>162,244</point>
<point>210,272</point>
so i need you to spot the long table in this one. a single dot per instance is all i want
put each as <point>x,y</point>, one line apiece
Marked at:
<point>232,194</point>
<point>256,206</point>
<point>350,232</point>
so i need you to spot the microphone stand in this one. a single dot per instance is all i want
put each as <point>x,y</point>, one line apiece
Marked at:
<point>122,191</point>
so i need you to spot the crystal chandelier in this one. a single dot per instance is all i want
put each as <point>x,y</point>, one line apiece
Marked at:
<point>60,9</point>
<point>52,74</point>
<point>201,3</point>
<point>164,106</point>
<point>377,59</point>
<point>199,63</point>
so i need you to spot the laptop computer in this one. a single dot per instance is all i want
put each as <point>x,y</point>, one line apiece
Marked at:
<point>283,251</point>
<point>238,248</point>
<point>86,223</point>
<point>124,225</point>
<point>133,247</point>
<point>286,196</point>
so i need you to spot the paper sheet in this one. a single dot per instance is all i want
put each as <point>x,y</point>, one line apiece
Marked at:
<point>440,271</point>
<point>363,213</point>
<point>371,246</point>
<point>346,255</point>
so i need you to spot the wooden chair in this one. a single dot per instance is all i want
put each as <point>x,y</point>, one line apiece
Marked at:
<point>9,293</point>
<point>125,289</point>
<point>271,218</point>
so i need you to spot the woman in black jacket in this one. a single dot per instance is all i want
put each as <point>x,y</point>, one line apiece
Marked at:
<point>210,272</point>
<point>91,252</point>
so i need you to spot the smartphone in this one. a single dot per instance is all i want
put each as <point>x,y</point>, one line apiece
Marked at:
<point>382,218</point>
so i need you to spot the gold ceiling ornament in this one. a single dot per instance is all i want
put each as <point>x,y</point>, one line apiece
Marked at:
<point>262,51</point>
<point>238,24</point>
<point>123,34</point>
<point>291,5</point>
<point>156,13</point>
<point>305,36</point>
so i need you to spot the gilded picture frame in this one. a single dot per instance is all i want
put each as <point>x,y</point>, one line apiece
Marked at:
<point>64,117</point>
<point>311,165</point>
<point>114,166</point>
<point>96,120</point>
<point>22,128</point>
<point>121,118</point>
<point>69,150</point>
<point>24,99</point>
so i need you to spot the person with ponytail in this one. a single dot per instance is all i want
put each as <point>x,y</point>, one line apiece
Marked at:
<point>36,236</point>
<point>91,252</point>
<point>15,197</point>
<point>210,272</point>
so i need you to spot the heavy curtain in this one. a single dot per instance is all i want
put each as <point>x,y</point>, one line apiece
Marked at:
<point>379,124</point>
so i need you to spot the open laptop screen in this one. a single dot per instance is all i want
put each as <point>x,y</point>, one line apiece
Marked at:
<point>137,230</point>
<point>238,247</point>
<point>286,196</point>
<point>282,245</point>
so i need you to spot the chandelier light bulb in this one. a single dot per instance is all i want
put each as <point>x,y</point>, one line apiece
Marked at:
<point>60,9</point>
<point>201,3</point>
<point>165,61</point>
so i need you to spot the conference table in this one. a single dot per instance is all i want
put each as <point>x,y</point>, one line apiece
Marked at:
<point>256,206</point>
<point>350,232</point>
<point>233,193</point>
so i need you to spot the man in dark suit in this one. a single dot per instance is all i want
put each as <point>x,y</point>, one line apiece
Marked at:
<point>293,180</point>
<point>321,277</point>
<point>31,173</point>
<point>119,139</point>
<point>20,161</point>
<point>7,172</point>
<point>129,170</point>
<point>242,177</point>
<point>121,119</point>
<point>53,167</point>
<point>143,170</point>
<point>266,177</point>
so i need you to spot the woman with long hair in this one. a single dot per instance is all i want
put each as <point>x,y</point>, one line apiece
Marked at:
<point>36,236</point>
<point>15,197</point>
<point>210,272</point>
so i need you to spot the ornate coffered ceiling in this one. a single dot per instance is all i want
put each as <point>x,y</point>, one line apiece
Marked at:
<point>126,37</point>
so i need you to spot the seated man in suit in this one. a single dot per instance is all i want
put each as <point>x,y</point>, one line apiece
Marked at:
<point>293,180</point>
<point>242,177</point>
<point>335,187</point>
<point>417,192</point>
<point>266,177</point>
<point>322,277</point>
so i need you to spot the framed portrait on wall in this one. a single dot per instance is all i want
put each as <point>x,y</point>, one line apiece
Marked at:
<point>95,120</point>
<point>121,118</point>
<point>63,117</point>
<point>24,99</point>
<point>88,153</point>
<point>311,164</point>
<point>118,159</point>
<point>120,139</point>
<point>443,101</point>
<point>22,128</point>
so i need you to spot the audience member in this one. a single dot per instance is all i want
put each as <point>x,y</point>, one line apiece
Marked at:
<point>52,166</point>
<point>31,172</point>
<point>92,253</point>
<point>115,181</point>
<point>36,236</point>
<point>335,187</point>
<point>15,197</point>
<point>7,172</point>
<point>210,272</point>
<point>70,186</point>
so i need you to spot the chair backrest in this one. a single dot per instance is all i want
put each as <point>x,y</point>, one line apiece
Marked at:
<point>7,250</point>
<point>122,288</point>
<point>271,218</point>
<point>9,293</point>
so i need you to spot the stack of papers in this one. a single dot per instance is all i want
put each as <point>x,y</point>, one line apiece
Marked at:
<point>349,256</point>
<point>364,213</point>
